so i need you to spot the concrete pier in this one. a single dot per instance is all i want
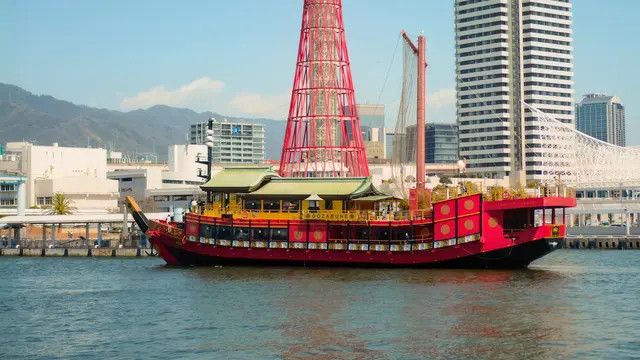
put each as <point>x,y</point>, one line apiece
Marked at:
<point>603,242</point>
<point>77,252</point>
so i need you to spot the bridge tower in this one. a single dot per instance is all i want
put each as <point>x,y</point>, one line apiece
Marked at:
<point>323,136</point>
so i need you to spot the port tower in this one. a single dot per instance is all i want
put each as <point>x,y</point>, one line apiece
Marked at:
<point>323,136</point>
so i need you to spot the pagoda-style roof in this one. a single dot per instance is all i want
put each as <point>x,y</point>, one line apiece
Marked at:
<point>239,179</point>
<point>349,188</point>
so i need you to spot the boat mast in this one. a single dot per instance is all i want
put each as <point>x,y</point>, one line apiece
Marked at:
<point>421,110</point>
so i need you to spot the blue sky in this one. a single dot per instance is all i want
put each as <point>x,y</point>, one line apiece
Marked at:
<point>237,57</point>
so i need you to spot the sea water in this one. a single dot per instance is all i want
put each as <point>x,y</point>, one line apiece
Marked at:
<point>582,304</point>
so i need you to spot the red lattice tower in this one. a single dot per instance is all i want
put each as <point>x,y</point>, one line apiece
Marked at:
<point>323,136</point>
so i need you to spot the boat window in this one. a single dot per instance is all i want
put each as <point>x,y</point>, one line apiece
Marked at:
<point>537,217</point>
<point>271,205</point>
<point>328,204</point>
<point>279,234</point>
<point>402,233</point>
<point>204,230</point>
<point>361,233</point>
<point>224,233</point>
<point>290,205</point>
<point>259,234</point>
<point>558,219</point>
<point>252,205</point>
<point>380,233</point>
<point>241,233</point>
<point>338,231</point>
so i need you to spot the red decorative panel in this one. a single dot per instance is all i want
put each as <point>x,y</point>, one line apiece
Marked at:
<point>444,230</point>
<point>192,228</point>
<point>298,232</point>
<point>468,225</point>
<point>492,224</point>
<point>444,210</point>
<point>317,232</point>
<point>469,205</point>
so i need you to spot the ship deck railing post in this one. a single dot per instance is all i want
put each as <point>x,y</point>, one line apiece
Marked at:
<point>455,209</point>
<point>326,231</point>
<point>412,238</point>
<point>269,234</point>
<point>308,230</point>
<point>215,231</point>
<point>348,233</point>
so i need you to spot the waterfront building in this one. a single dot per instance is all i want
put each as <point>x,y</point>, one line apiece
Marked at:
<point>160,188</point>
<point>509,52</point>
<point>13,196</point>
<point>602,117</point>
<point>233,141</point>
<point>77,173</point>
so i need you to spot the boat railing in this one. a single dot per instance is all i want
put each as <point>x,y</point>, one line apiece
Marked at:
<point>324,215</point>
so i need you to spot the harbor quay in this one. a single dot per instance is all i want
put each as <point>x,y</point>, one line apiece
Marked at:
<point>97,235</point>
<point>78,252</point>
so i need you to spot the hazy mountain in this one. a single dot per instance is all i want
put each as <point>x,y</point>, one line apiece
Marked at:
<point>44,119</point>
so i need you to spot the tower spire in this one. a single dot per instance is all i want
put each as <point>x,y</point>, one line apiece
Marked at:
<point>323,136</point>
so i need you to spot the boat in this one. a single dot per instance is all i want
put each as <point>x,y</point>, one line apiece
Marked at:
<point>321,207</point>
<point>256,217</point>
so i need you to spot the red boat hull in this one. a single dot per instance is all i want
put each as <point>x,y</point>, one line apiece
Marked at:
<point>518,254</point>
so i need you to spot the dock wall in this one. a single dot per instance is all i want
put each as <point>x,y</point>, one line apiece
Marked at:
<point>77,252</point>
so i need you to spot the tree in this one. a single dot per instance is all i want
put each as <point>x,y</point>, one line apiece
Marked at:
<point>494,193</point>
<point>60,205</point>
<point>445,180</point>
<point>518,193</point>
<point>471,187</point>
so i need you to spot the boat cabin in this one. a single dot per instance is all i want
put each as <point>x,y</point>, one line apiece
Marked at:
<point>258,192</point>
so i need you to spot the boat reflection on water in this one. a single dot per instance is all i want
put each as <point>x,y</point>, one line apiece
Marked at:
<point>327,313</point>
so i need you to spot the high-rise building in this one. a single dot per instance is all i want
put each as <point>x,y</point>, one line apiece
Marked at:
<point>233,142</point>
<point>441,143</point>
<point>602,116</point>
<point>373,131</point>
<point>509,52</point>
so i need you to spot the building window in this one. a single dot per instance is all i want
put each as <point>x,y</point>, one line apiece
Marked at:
<point>7,187</point>
<point>8,202</point>
<point>43,201</point>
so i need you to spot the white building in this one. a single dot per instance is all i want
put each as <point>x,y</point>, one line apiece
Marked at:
<point>233,142</point>
<point>507,52</point>
<point>163,188</point>
<point>78,173</point>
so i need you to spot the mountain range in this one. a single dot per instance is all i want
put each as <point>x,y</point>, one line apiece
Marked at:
<point>43,119</point>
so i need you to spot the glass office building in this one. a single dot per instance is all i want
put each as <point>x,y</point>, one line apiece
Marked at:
<point>602,117</point>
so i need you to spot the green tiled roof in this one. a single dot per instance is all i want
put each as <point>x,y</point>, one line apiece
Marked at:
<point>332,187</point>
<point>239,179</point>
<point>374,198</point>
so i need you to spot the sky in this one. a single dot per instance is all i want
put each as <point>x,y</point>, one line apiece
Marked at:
<point>237,57</point>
